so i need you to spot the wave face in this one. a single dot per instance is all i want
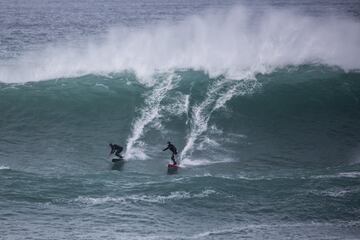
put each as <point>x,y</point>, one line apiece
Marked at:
<point>263,104</point>
<point>306,114</point>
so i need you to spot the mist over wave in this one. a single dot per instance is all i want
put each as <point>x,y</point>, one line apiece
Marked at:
<point>237,42</point>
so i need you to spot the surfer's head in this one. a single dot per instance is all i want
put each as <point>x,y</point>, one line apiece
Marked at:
<point>169,142</point>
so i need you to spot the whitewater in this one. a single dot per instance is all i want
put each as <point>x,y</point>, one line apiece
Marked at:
<point>261,98</point>
<point>232,42</point>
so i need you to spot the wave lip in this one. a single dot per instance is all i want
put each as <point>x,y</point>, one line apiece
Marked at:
<point>237,43</point>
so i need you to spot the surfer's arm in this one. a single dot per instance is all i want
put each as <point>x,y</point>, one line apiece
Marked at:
<point>166,149</point>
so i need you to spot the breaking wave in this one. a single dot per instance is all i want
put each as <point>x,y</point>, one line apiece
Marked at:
<point>238,43</point>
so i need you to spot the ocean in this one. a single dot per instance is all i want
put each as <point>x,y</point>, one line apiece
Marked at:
<point>261,98</point>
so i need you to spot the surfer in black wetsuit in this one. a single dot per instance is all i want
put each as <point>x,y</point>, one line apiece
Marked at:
<point>173,149</point>
<point>116,149</point>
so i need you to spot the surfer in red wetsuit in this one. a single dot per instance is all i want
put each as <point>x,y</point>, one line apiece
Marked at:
<point>173,149</point>
<point>116,149</point>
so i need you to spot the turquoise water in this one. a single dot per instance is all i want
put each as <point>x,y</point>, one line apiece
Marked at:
<point>261,99</point>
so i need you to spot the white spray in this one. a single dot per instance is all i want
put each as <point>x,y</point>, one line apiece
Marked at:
<point>149,113</point>
<point>217,96</point>
<point>227,42</point>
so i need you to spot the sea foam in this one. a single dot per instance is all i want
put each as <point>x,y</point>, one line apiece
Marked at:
<point>237,43</point>
<point>177,195</point>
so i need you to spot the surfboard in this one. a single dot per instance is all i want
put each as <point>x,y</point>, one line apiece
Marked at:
<point>173,167</point>
<point>117,164</point>
<point>116,160</point>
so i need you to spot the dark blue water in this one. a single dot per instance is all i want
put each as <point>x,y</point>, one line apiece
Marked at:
<point>262,99</point>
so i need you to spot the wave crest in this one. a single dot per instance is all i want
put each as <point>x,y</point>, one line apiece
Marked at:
<point>237,43</point>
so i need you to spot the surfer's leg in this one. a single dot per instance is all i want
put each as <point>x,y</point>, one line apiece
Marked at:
<point>173,158</point>
<point>118,153</point>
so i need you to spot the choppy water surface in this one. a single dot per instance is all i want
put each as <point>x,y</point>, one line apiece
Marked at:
<point>261,98</point>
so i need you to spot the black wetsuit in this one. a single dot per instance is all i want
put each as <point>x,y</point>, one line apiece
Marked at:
<point>116,149</point>
<point>173,149</point>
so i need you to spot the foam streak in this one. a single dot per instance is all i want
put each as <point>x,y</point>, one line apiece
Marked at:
<point>217,96</point>
<point>149,113</point>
